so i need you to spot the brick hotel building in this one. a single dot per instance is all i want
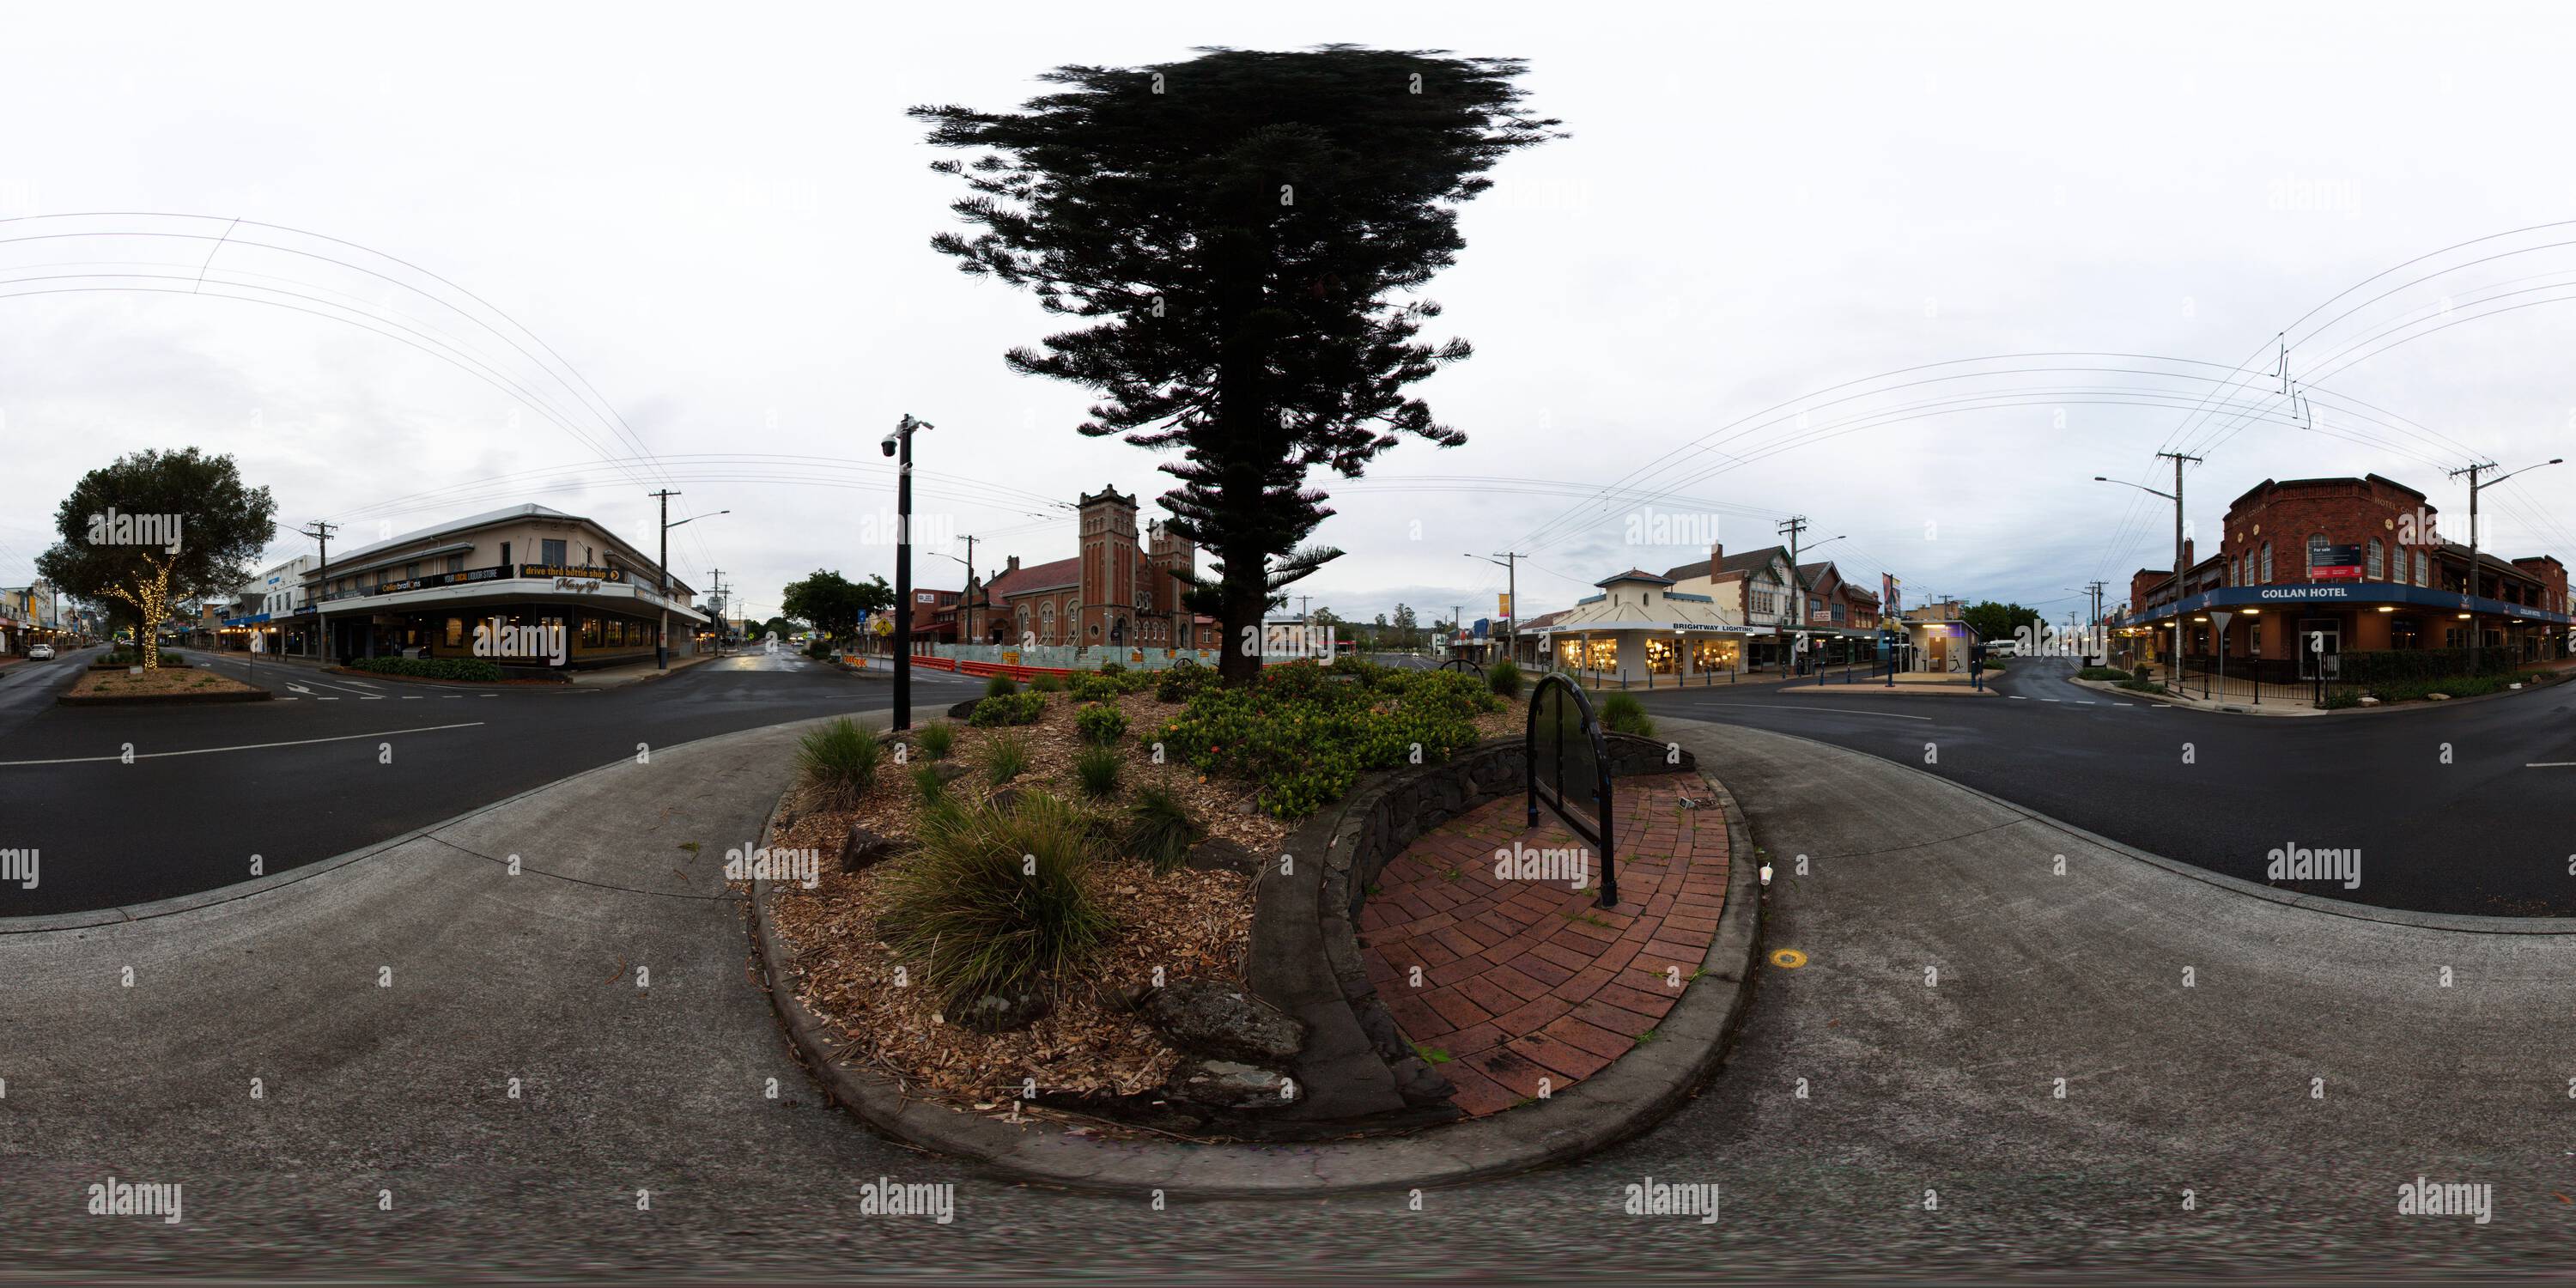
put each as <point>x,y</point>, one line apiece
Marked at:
<point>2360,562</point>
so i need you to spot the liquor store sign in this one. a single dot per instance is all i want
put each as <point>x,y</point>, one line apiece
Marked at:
<point>584,572</point>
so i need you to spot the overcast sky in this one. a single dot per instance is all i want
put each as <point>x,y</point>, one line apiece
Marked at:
<point>712,224</point>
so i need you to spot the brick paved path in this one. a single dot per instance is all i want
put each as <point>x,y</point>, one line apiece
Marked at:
<point>1526,980</point>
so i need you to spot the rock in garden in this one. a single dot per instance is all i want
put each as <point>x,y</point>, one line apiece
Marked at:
<point>1225,1084</point>
<point>1004,799</point>
<point>1217,854</point>
<point>1206,1018</point>
<point>865,848</point>
<point>1000,1012</point>
<point>949,771</point>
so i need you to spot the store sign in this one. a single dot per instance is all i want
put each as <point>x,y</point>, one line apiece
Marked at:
<point>438,579</point>
<point>542,571</point>
<point>2334,563</point>
<point>575,586</point>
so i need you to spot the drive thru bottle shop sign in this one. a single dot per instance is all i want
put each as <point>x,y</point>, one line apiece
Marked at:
<point>2334,563</point>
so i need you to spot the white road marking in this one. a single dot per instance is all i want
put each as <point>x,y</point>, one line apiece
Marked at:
<point>2552,764</point>
<point>1801,706</point>
<point>248,746</point>
<point>2016,697</point>
<point>2050,699</point>
<point>411,697</point>
<point>319,699</point>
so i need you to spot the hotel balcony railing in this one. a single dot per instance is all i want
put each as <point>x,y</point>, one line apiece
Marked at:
<point>497,572</point>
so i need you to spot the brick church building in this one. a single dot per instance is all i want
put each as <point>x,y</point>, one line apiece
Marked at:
<point>1116,593</point>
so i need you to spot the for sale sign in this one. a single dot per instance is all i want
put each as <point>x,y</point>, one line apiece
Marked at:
<point>2334,563</point>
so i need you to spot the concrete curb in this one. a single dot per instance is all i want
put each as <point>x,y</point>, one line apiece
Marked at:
<point>162,699</point>
<point>2460,923</point>
<point>1637,1091</point>
<point>2277,712</point>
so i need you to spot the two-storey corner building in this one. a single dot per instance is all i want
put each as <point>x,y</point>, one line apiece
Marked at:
<point>471,587</point>
<point>2313,567</point>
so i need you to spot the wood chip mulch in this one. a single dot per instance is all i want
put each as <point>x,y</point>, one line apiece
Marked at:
<point>1189,923</point>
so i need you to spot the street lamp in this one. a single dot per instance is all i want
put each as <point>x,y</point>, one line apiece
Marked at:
<point>662,573</point>
<point>2474,568</point>
<point>1510,564</point>
<point>2173,669</point>
<point>899,444</point>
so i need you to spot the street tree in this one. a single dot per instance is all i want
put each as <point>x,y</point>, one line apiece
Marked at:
<point>835,604</point>
<point>1992,621</point>
<point>1238,232</point>
<point>154,528</point>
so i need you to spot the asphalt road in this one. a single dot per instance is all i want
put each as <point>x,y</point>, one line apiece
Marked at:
<point>335,762</point>
<point>2455,808</point>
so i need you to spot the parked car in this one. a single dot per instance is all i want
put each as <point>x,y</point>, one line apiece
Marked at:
<point>40,653</point>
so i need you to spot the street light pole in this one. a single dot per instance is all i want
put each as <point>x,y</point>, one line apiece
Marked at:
<point>899,444</point>
<point>2476,630</point>
<point>662,639</point>
<point>1509,562</point>
<point>2173,668</point>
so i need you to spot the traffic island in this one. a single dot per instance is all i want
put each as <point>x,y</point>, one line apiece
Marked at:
<point>160,686</point>
<point>1293,1078</point>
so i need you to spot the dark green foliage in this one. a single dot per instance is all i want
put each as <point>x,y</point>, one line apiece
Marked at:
<point>928,787</point>
<point>837,764</point>
<point>1160,830</point>
<point>1097,768</point>
<point>999,685</point>
<point>1009,709</point>
<point>1100,723</point>
<point>936,739</point>
<point>1005,757</point>
<point>1622,713</point>
<point>1303,734</point>
<point>432,668</point>
<point>1043,682</point>
<point>971,912</point>
<point>1504,678</point>
<point>833,603</point>
<point>1178,683</point>
<point>1245,234</point>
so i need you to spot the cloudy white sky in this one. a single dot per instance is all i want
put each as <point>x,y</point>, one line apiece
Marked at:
<point>716,221</point>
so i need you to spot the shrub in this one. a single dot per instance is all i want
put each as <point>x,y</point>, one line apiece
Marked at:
<point>837,764</point>
<point>2112,673</point>
<point>1100,723</point>
<point>1043,684</point>
<point>1160,830</point>
<point>1097,769</point>
<point>1113,668</point>
<point>1992,665</point>
<point>2338,699</point>
<point>432,668</point>
<point>1009,709</point>
<point>2142,684</point>
<point>1087,687</point>
<point>1622,713</point>
<point>1179,682</point>
<point>1006,757</point>
<point>936,739</point>
<point>928,787</point>
<point>999,685</point>
<point>819,649</point>
<point>1504,677</point>
<point>970,911</point>
<point>1303,735</point>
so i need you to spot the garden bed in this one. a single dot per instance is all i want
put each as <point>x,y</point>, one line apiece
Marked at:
<point>104,688</point>
<point>1097,1051</point>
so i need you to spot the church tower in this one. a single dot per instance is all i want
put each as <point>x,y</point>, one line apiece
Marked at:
<point>1110,566</point>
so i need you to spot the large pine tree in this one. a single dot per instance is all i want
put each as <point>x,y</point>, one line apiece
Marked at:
<point>1237,230</point>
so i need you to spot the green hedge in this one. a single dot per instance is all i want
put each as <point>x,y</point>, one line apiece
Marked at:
<point>1303,733</point>
<point>2397,666</point>
<point>433,668</point>
<point>1008,709</point>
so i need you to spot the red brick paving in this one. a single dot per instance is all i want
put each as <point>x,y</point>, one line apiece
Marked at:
<point>1526,983</point>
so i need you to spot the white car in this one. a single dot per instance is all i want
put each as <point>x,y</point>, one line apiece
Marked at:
<point>40,653</point>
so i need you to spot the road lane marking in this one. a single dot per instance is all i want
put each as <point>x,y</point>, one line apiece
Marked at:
<point>248,746</point>
<point>2051,699</point>
<point>1801,706</point>
<point>2552,764</point>
<point>2016,697</point>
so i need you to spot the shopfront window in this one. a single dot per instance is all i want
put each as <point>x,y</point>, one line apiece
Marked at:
<point>590,632</point>
<point>455,632</point>
<point>1659,656</point>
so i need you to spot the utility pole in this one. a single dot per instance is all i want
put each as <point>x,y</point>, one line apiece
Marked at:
<point>2476,628</point>
<point>716,597</point>
<point>321,532</point>
<point>662,637</point>
<point>1795,527</point>
<point>2173,674</point>
<point>1509,561</point>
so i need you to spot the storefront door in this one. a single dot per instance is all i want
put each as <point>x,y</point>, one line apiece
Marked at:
<point>2313,633</point>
